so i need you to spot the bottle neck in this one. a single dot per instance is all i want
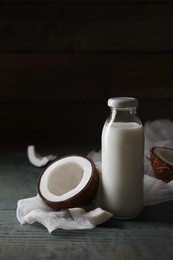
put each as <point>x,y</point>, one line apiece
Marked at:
<point>124,115</point>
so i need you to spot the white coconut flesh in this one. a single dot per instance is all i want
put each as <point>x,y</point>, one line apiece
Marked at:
<point>38,160</point>
<point>65,179</point>
<point>165,154</point>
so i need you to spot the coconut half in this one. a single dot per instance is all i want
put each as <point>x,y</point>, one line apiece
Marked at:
<point>162,163</point>
<point>69,182</point>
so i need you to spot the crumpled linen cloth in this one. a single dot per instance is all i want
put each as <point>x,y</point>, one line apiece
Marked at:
<point>157,133</point>
<point>33,209</point>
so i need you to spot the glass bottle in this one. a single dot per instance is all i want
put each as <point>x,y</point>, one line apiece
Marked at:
<point>123,159</point>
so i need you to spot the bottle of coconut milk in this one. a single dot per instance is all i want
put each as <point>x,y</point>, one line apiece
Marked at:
<point>123,159</point>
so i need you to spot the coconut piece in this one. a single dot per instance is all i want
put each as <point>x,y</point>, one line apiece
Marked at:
<point>76,212</point>
<point>162,163</point>
<point>69,182</point>
<point>36,159</point>
<point>98,216</point>
<point>95,217</point>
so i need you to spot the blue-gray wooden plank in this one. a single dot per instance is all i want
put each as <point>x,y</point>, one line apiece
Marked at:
<point>149,236</point>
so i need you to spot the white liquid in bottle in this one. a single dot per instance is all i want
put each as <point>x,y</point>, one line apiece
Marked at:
<point>122,168</point>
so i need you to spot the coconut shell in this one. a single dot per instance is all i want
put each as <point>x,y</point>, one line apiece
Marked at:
<point>162,170</point>
<point>85,196</point>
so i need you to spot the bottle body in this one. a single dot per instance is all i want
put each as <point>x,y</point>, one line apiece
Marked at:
<point>122,167</point>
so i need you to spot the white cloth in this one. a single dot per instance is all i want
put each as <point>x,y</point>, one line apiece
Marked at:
<point>157,133</point>
<point>33,209</point>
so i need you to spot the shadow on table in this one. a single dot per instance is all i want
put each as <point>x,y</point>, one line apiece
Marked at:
<point>160,213</point>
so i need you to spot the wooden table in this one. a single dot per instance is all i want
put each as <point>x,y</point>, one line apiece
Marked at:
<point>149,236</point>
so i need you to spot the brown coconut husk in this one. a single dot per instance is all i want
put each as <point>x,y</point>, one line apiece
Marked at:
<point>83,197</point>
<point>161,169</point>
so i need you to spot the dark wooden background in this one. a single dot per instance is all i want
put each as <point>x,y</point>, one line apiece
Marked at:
<point>60,60</point>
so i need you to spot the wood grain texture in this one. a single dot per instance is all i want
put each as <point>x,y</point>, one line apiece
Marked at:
<point>59,76</point>
<point>141,238</point>
<point>60,62</point>
<point>63,97</point>
<point>86,28</point>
